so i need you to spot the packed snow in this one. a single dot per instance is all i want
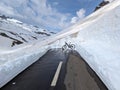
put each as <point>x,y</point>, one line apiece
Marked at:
<point>97,39</point>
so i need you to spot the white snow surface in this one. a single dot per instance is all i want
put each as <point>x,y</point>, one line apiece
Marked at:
<point>16,30</point>
<point>97,39</point>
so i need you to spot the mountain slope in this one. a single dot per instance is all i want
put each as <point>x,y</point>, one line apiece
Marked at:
<point>14,32</point>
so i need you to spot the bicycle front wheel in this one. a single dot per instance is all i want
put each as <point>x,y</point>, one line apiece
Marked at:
<point>64,47</point>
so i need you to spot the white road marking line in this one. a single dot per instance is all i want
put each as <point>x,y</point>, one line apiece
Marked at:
<point>54,81</point>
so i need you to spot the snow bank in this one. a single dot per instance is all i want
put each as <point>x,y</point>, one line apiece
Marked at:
<point>15,61</point>
<point>98,43</point>
<point>12,68</point>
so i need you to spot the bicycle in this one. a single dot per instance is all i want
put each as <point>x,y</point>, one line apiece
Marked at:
<point>68,46</point>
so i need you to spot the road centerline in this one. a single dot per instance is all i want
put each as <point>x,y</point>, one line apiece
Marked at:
<point>54,81</point>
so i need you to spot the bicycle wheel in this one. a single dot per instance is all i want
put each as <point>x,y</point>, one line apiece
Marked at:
<point>72,46</point>
<point>64,47</point>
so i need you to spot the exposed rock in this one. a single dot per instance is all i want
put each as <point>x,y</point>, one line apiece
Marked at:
<point>103,3</point>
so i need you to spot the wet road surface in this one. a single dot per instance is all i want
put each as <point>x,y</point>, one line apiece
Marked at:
<point>74,74</point>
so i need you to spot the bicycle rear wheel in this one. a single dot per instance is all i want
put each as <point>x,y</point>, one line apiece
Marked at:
<point>72,46</point>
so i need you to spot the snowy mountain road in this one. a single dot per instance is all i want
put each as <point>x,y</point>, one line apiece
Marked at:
<point>69,71</point>
<point>40,74</point>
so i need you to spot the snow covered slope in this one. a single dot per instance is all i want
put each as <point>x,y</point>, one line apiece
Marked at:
<point>97,39</point>
<point>14,32</point>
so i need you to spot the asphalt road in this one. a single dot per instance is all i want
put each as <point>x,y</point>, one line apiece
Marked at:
<point>41,74</point>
